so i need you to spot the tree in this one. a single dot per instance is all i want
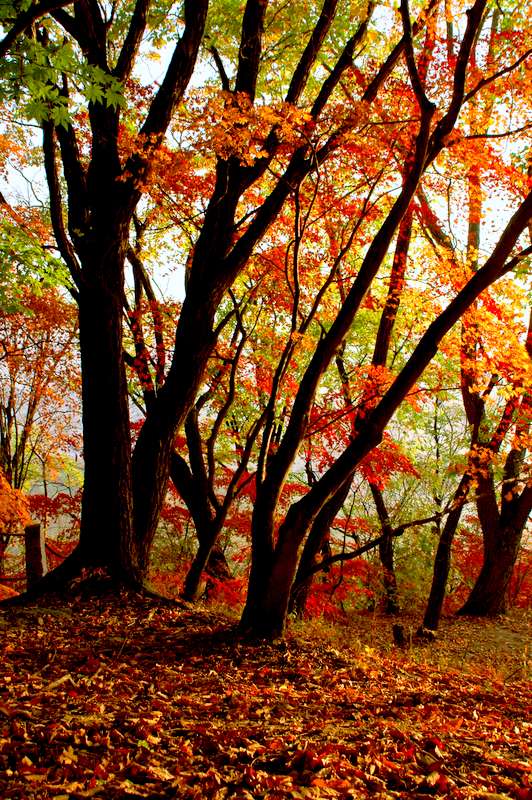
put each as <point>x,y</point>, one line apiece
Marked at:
<point>104,187</point>
<point>38,385</point>
<point>102,195</point>
<point>503,513</point>
<point>276,555</point>
<point>264,160</point>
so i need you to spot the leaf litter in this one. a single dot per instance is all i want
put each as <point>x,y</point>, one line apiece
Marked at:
<point>144,700</point>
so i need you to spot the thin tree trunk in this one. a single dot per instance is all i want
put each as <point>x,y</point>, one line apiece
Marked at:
<point>442,561</point>
<point>36,563</point>
<point>389,580</point>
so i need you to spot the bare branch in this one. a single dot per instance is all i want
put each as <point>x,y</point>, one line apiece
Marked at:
<point>302,71</point>
<point>56,204</point>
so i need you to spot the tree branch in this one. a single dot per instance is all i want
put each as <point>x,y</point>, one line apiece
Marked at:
<point>302,71</point>
<point>56,205</point>
<point>226,85</point>
<point>415,79</point>
<point>27,18</point>
<point>345,61</point>
<point>447,122</point>
<point>131,45</point>
<point>174,83</point>
<point>486,81</point>
<point>250,47</point>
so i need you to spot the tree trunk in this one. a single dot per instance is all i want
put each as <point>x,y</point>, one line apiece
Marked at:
<point>208,523</point>
<point>266,606</point>
<point>442,561</point>
<point>489,596</point>
<point>386,554</point>
<point>389,579</point>
<point>4,542</point>
<point>106,538</point>
<point>209,558</point>
<point>315,543</point>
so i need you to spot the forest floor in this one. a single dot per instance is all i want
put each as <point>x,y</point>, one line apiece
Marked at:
<point>108,699</point>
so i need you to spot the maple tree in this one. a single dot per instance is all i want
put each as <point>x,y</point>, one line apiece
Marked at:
<point>276,554</point>
<point>38,387</point>
<point>503,519</point>
<point>330,142</point>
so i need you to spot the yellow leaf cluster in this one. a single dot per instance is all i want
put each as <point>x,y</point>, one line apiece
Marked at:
<point>234,127</point>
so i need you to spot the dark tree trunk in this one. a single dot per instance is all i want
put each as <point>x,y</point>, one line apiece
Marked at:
<point>4,542</point>
<point>217,566</point>
<point>269,590</point>
<point>192,483</point>
<point>442,561</point>
<point>209,558</point>
<point>315,544</point>
<point>489,595</point>
<point>106,534</point>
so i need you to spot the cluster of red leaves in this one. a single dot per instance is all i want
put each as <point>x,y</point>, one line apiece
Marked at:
<point>139,700</point>
<point>353,583</point>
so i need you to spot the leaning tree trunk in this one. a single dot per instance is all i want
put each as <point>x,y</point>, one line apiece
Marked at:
<point>208,523</point>
<point>209,558</point>
<point>152,456</point>
<point>316,542</point>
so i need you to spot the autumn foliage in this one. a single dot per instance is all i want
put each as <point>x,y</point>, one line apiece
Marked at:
<point>275,279</point>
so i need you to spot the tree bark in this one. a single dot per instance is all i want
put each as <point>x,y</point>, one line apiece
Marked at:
<point>503,523</point>
<point>386,554</point>
<point>316,543</point>
<point>489,596</point>
<point>106,534</point>
<point>442,560</point>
